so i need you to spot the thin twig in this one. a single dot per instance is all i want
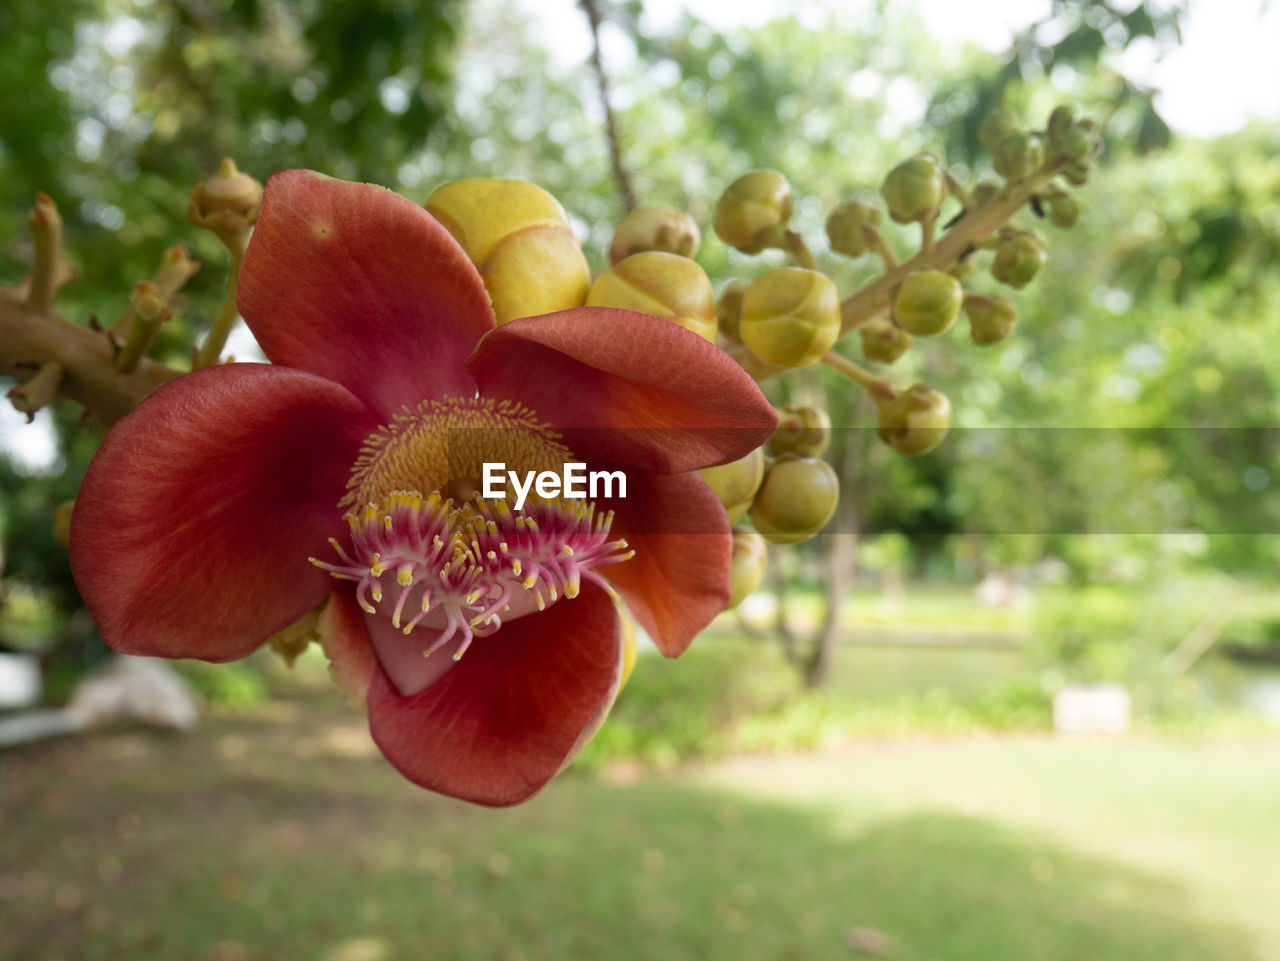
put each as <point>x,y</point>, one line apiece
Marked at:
<point>620,173</point>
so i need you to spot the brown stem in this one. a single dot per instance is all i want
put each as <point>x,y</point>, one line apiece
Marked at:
<point>38,391</point>
<point>45,224</point>
<point>620,173</point>
<point>794,244</point>
<point>30,341</point>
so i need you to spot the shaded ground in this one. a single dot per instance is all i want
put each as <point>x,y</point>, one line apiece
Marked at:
<point>282,835</point>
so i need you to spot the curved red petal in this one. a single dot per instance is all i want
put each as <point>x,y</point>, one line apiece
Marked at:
<point>192,529</point>
<point>627,387</point>
<point>347,645</point>
<point>514,711</point>
<point>678,579</point>
<point>357,284</point>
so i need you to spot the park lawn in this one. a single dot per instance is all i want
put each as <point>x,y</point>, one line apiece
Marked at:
<point>279,833</point>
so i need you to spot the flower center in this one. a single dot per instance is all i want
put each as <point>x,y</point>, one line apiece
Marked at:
<point>451,561</point>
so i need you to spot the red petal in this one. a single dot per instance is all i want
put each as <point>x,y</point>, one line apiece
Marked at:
<point>669,400</point>
<point>356,284</point>
<point>346,644</point>
<point>191,533</point>
<point>514,711</point>
<point>679,578</point>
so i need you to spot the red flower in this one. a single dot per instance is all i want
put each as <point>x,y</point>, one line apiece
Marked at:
<point>236,498</point>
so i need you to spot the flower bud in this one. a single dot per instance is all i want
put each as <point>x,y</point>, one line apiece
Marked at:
<point>662,284</point>
<point>754,211</point>
<point>627,626</point>
<point>984,191</point>
<point>883,340</point>
<point>226,204</point>
<point>996,126</point>
<point>1018,156</point>
<point>1064,211</point>
<point>746,570</point>
<point>729,309</point>
<point>1076,145</point>
<point>845,227</point>
<point>790,316</point>
<point>915,421</point>
<point>798,497</point>
<point>519,238</point>
<point>1018,260</point>
<point>1076,171</point>
<point>736,482</point>
<point>927,302</point>
<point>915,189</point>
<point>803,431</point>
<point>62,522</point>
<point>991,319</point>
<point>1061,121</point>
<point>655,228</point>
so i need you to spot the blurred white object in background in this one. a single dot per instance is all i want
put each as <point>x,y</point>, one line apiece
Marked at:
<point>1092,709</point>
<point>19,679</point>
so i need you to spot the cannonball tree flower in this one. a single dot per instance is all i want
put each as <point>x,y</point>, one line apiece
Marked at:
<point>484,640</point>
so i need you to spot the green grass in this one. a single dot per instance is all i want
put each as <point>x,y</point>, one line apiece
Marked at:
<point>278,833</point>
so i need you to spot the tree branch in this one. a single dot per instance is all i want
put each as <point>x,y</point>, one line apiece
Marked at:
<point>620,173</point>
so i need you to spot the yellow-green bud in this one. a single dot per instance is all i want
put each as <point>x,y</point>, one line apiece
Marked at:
<point>961,269</point>
<point>790,316</point>
<point>798,497</point>
<point>996,126</point>
<point>1061,121</point>
<point>665,285</point>
<point>729,308</point>
<point>754,211</point>
<point>520,240</point>
<point>736,482</point>
<point>803,431</point>
<point>927,302</point>
<point>883,340</point>
<point>984,191</point>
<point>627,627</point>
<point>1064,211</point>
<point>1076,145</point>
<point>1018,260</point>
<point>915,421</point>
<point>991,319</point>
<point>62,522</point>
<point>1018,156</point>
<point>746,570</point>
<point>915,189</point>
<point>845,227</point>
<point>1076,171</point>
<point>655,228</point>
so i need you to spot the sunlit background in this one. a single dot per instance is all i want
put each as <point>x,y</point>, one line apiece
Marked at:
<point>1021,701</point>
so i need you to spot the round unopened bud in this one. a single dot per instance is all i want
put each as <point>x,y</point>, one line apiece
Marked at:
<point>665,285</point>
<point>803,431</point>
<point>1018,156</point>
<point>1076,171</point>
<point>991,319</point>
<point>655,228</point>
<point>226,204</point>
<point>883,340</point>
<point>1076,144</point>
<point>736,482</point>
<point>1061,121</point>
<point>799,495</point>
<point>927,302</point>
<point>754,211</point>
<point>790,316</point>
<point>915,421</point>
<point>746,569</point>
<point>729,308</point>
<point>1064,211</point>
<point>996,126</point>
<point>846,227</point>
<point>1018,260</point>
<point>520,240</point>
<point>915,189</point>
<point>984,191</point>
